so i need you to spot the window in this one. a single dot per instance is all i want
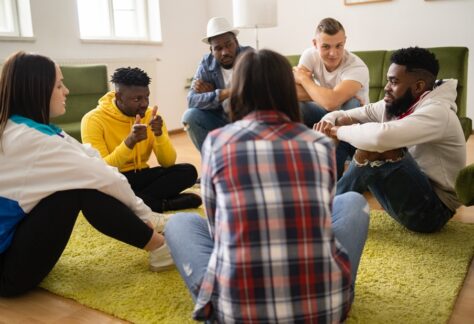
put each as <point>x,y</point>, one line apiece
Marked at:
<point>15,18</point>
<point>136,20</point>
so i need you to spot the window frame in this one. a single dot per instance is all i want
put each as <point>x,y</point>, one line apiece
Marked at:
<point>20,14</point>
<point>150,37</point>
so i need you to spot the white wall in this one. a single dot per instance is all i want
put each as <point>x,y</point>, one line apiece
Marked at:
<point>183,25</point>
<point>384,25</point>
<point>372,26</point>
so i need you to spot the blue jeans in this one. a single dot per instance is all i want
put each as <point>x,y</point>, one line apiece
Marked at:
<point>198,123</point>
<point>188,239</point>
<point>403,190</point>
<point>312,113</point>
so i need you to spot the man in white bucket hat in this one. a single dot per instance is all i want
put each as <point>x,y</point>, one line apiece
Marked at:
<point>208,96</point>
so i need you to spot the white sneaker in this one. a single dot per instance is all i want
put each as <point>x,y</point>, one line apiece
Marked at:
<point>160,259</point>
<point>159,220</point>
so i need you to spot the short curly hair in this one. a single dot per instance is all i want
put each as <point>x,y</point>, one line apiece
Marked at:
<point>415,59</point>
<point>130,77</point>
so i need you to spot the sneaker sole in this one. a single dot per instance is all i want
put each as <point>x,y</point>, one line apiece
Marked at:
<point>161,269</point>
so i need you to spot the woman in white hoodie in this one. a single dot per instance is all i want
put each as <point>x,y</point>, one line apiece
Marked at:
<point>48,177</point>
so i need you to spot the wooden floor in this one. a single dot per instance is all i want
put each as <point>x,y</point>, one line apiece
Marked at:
<point>41,306</point>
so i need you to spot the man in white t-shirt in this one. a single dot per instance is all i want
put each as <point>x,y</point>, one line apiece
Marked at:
<point>209,93</point>
<point>330,78</point>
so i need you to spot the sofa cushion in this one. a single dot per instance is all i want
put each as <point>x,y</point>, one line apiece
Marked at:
<point>293,59</point>
<point>376,72</point>
<point>86,83</point>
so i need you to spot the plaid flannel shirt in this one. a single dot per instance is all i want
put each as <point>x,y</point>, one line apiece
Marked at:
<point>268,186</point>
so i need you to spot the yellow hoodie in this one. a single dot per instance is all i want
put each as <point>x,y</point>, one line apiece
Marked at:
<point>106,128</point>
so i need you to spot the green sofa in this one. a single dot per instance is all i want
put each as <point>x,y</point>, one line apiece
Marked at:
<point>453,64</point>
<point>86,83</point>
<point>465,185</point>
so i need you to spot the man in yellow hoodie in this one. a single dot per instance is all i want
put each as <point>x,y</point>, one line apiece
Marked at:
<point>125,130</point>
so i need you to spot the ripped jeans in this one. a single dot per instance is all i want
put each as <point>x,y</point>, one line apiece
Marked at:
<point>403,190</point>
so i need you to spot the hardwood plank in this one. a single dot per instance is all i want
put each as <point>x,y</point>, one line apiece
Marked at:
<point>41,306</point>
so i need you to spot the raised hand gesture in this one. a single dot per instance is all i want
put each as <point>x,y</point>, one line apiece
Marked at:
<point>137,133</point>
<point>156,122</point>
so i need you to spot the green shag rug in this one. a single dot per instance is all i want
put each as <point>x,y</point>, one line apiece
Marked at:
<point>403,277</point>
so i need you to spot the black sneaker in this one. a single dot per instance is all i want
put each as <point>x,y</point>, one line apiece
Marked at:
<point>182,201</point>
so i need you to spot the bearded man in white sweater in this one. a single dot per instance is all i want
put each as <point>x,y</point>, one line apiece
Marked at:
<point>410,145</point>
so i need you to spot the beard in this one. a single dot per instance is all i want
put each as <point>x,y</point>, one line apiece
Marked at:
<point>227,66</point>
<point>399,106</point>
<point>227,62</point>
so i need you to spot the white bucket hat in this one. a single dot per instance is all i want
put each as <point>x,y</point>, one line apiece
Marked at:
<point>218,26</point>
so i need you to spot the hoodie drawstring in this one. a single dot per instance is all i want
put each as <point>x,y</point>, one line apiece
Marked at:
<point>137,159</point>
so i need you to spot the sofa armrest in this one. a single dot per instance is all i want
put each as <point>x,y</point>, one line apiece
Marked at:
<point>465,185</point>
<point>466,124</point>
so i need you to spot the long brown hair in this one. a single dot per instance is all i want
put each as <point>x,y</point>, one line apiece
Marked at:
<point>26,86</point>
<point>263,80</point>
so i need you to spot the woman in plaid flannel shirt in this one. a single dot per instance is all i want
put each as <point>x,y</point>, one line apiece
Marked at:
<point>277,246</point>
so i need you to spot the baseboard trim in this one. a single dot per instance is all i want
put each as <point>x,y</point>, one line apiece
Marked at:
<point>176,131</point>
<point>181,130</point>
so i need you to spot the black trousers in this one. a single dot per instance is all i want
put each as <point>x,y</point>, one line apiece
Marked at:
<point>40,238</point>
<point>155,185</point>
